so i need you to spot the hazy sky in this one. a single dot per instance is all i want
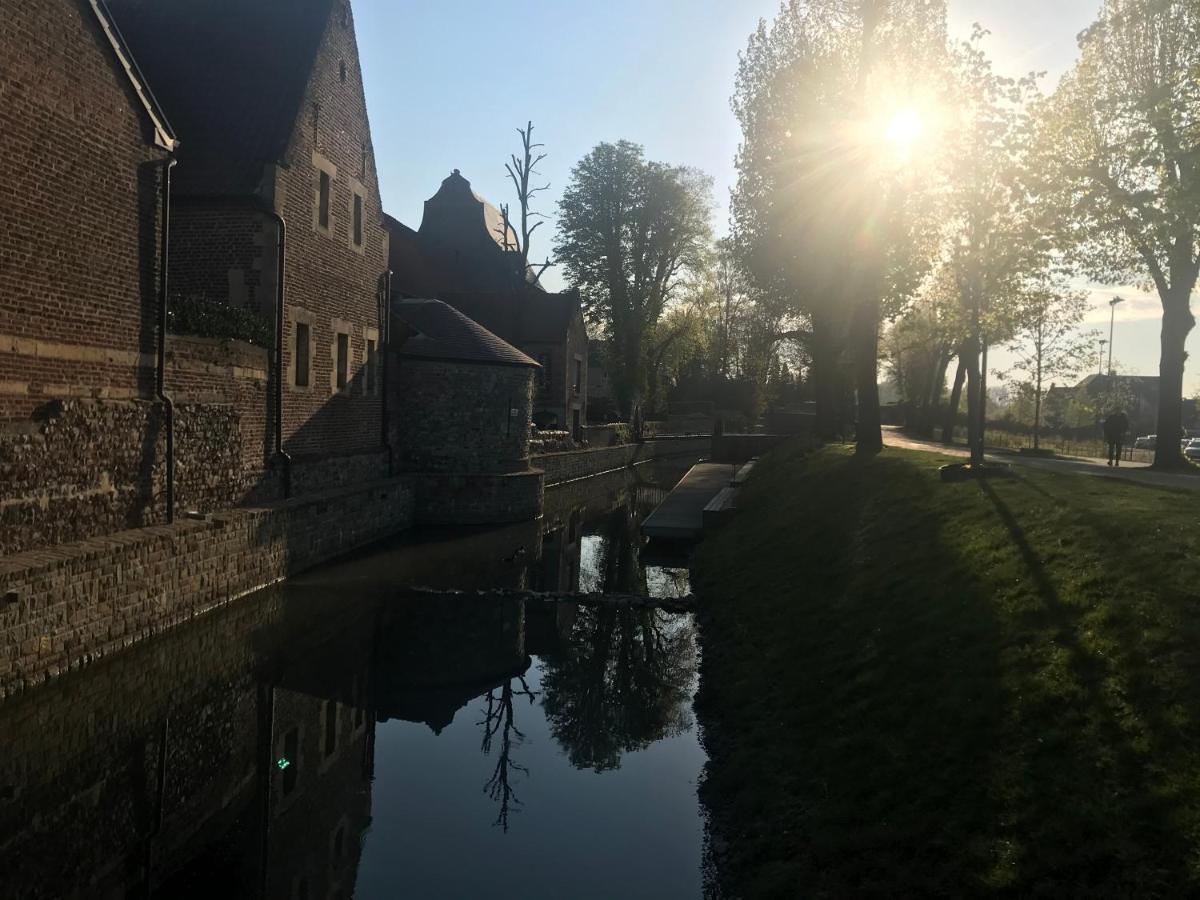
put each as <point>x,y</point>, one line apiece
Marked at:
<point>449,82</point>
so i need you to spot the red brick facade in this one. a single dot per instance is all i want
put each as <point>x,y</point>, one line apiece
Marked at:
<point>79,216</point>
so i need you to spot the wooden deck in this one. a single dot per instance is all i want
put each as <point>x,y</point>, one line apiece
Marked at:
<point>681,515</point>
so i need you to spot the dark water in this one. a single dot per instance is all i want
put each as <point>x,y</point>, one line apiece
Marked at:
<point>346,736</point>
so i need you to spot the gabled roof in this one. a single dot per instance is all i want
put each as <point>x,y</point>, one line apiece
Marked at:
<point>164,136</point>
<point>233,74</point>
<point>522,316</point>
<point>438,331</point>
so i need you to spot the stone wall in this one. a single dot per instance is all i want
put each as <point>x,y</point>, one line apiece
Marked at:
<point>477,499</point>
<point>60,608</point>
<point>452,417</point>
<point>560,467</point>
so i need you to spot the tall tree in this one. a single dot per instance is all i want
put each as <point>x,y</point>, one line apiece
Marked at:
<point>1120,143</point>
<point>1047,343</point>
<point>628,230</point>
<point>818,210</point>
<point>521,172</point>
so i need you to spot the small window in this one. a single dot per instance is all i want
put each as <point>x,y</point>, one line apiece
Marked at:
<point>370,367</point>
<point>330,726</point>
<point>358,220</point>
<point>302,360</point>
<point>290,762</point>
<point>343,360</point>
<point>342,70</point>
<point>578,375</point>
<point>323,200</point>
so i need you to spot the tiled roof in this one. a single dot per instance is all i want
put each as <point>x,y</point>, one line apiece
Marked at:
<point>438,331</point>
<point>231,74</point>
<point>529,315</point>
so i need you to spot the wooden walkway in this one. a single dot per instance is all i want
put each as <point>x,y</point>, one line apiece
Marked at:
<point>681,515</point>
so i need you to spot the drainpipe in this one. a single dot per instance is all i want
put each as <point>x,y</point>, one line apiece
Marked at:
<point>384,329</point>
<point>164,258</point>
<point>282,456</point>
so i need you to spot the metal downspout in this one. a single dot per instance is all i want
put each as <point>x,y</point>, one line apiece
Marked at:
<point>385,326</point>
<point>161,363</point>
<point>281,455</point>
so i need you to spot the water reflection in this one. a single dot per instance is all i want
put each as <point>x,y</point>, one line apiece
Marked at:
<point>312,741</point>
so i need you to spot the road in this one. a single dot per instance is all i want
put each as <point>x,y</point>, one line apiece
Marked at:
<point>1138,473</point>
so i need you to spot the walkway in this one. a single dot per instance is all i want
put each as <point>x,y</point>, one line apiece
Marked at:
<point>681,515</point>
<point>1138,473</point>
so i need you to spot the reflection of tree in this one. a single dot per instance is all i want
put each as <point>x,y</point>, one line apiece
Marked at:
<point>499,720</point>
<point>622,681</point>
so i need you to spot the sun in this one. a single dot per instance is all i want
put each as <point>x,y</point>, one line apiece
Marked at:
<point>904,129</point>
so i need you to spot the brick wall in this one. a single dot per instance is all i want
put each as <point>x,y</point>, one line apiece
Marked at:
<point>62,607</point>
<point>443,499</point>
<point>325,276</point>
<point>455,417</point>
<point>560,467</point>
<point>218,254</point>
<point>79,216</point>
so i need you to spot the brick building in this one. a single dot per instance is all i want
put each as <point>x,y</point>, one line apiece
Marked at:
<point>460,403</point>
<point>276,206</point>
<point>463,254</point>
<point>82,149</point>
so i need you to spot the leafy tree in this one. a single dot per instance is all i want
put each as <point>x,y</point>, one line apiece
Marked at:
<point>821,208</point>
<point>629,229</point>
<point>993,233</point>
<point>1119,141</point>
<point>1048,343</point>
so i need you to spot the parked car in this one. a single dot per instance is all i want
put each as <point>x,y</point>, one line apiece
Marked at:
<point>1192,450</point>
<point>1146,442</point>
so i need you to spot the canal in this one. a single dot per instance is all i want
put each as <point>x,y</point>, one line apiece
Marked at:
<point>401,723</point>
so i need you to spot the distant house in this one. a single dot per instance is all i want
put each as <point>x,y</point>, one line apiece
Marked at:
<point>276,208</point>
<point>1136,394</point>
<point>464,255</point>
<point>83,144</point>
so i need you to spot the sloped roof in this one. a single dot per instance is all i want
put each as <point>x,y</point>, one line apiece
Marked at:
<point>164,135</point>
<point>439,331</point>
<point>231,74</point>
<point>530,315</point>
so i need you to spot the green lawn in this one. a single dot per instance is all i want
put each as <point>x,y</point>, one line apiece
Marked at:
<point>915,687</point>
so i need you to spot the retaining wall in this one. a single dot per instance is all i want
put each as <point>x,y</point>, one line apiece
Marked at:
<point>62,607</point>
<point>573,464</point>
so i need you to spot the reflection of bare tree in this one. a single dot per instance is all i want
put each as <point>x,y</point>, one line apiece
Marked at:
<point>622,681</point>
<point>499,720</point>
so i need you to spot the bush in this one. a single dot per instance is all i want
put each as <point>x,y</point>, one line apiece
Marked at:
<point>203,317</point>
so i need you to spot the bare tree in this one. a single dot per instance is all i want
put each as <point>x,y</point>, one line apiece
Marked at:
<point>499,720</point>
<point>521,171</point>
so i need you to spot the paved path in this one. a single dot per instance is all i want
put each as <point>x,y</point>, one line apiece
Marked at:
<point>681,515</point>
<point>1138,473</point>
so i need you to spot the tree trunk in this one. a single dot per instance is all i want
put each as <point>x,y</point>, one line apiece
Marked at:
<point>934,395</point>
<point>869,434</point>
<point>824,378</point>
<point>960,375</point>
<point>981,427</point>
<point>1037,407</point>
<point>1177,322</point>
<point>973,395</point>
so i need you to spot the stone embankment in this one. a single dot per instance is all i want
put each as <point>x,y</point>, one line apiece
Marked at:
<point>62,607</point>
<point>560,467</point>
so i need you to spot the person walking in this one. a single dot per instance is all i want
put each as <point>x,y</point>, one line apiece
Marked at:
<point>1115,428</point>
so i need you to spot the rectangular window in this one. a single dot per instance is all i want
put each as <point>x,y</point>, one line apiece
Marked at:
<point>323,201</point>
<point>343,360</point>
<point>302,360</point>
<point>578,375</point>
<point>358,220</point>
<point>330,726</point>
<point>370,368</point>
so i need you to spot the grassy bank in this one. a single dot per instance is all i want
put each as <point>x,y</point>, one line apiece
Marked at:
<point>915,687</point>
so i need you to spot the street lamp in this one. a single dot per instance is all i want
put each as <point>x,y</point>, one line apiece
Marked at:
<point>1100,364</point>
<point>1112,318</point>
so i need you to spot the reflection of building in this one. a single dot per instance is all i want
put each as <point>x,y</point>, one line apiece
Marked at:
<point>463,254</point>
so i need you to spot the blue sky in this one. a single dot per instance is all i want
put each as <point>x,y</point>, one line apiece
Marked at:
<point>449,81</point>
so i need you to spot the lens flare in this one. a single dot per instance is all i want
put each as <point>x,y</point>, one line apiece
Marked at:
<point>904,129</point>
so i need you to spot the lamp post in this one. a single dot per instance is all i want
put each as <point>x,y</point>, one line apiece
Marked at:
<point>1100,364</point>
<point>1112,318</point>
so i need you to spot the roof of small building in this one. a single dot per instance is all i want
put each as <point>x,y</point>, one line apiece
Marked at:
<point>530,315</point>
<point>439,331</point>
<point>231,74</point>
